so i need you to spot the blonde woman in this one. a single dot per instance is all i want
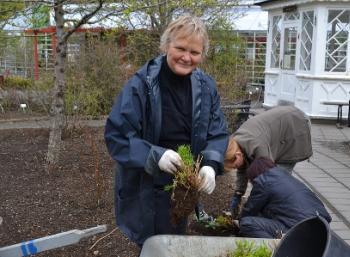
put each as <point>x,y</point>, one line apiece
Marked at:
<point>167,103</point>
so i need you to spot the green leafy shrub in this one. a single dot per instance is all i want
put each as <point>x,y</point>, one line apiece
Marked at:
<point>141,46</point>
<point>245,248</point>
<point>16,82</point>
<point>94,78</point>
<point>226,63</point>
<point>45,82</point>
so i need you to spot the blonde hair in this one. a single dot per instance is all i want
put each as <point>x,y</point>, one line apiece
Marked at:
<point>185,26</point>
<point>231,150</point>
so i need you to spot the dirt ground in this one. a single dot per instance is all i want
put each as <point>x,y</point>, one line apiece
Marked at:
<point>79,195</point>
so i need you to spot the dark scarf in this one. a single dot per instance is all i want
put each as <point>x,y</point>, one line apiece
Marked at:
<point>258,167</point>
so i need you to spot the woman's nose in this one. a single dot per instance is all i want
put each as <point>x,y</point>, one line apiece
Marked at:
<point>186,56</point>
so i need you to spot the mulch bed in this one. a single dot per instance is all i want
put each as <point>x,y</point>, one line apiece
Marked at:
<point>78,195</point>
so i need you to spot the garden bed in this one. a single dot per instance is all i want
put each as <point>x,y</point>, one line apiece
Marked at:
<point>34,203</point>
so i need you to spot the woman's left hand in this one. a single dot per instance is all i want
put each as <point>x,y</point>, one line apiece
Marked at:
<point>207,177</point>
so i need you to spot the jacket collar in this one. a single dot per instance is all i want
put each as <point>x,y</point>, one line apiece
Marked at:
<point>149,73</point>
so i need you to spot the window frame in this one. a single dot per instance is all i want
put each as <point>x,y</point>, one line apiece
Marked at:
<point>347,56</point>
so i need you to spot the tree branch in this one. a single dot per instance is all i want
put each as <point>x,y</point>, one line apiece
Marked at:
<point>84,20</point>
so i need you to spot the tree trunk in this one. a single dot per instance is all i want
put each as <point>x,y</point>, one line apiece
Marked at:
<point>57,105</point>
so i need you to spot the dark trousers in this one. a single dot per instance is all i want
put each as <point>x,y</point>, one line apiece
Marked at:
<point>260,227</point>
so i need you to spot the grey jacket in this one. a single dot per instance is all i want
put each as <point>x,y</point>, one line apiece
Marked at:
<point>281,134</point>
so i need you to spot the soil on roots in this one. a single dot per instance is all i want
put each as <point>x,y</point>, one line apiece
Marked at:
<point>183,202</point>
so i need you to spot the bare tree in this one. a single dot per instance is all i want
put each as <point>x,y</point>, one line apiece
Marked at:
<point>156,14</point>
<point>70,15</point>
<point>152,14</point>
<point>57,106</point>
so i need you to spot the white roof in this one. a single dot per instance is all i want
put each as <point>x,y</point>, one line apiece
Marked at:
<point>253,19</point>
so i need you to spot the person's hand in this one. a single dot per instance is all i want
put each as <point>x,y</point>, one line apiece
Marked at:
<point>207,178</point>
<point>235,202</point>
<point>170,161</point>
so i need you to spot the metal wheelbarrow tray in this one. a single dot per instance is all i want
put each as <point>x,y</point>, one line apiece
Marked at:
<point>198,246</point>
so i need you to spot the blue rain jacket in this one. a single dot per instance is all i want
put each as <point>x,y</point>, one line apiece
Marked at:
<point>132,134</point>
<point>278,196</point>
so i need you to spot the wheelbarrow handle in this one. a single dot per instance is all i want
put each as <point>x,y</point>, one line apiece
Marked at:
<point>49,242</point>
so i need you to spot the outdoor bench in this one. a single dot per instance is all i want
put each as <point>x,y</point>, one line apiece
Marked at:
<point>242,110</point>
<point>340,105</point>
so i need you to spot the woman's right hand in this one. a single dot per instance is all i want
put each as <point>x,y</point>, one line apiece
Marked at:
<point>170,162</point>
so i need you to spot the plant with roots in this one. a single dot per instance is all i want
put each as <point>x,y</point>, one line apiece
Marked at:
<point>185,185</point>
<point>187,175</point>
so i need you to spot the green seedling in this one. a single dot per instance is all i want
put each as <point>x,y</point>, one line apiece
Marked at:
<point>245,248</point>
<point>219,223</point>
<point>187,175</point>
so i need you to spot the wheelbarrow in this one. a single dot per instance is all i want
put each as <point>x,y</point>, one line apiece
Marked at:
<point>310,237</point>
<point>199,246</point>
<point>49,242</point>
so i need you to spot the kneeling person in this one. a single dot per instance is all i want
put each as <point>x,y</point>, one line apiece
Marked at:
<point>277,202</point>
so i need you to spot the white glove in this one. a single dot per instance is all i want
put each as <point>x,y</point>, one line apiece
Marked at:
<point>207,177</point>
<point>170,161</point>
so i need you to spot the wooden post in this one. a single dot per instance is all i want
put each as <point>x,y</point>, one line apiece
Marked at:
<point>36,56</point>
<point>53,43</point>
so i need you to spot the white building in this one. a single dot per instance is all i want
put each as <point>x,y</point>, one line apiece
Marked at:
<point>308,54</point>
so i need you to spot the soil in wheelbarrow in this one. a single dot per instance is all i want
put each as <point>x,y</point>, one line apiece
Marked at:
<point>78,195</point>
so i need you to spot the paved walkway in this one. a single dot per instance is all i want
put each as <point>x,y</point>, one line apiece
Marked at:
<point>43,122</point>
<point>327,173</point>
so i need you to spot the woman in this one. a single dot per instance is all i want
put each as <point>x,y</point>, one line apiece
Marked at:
<point>167,103</point>
<point>281,134</point>
<point>277,202</point>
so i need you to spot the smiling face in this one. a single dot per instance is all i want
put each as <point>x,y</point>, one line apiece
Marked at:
<point>184,54</point>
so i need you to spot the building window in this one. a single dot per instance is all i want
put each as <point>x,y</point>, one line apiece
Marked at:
<point>338,28</point>
<point>290,43</point>
<point>276,41</point>
<point>293,16</point>
<point>306,40</point>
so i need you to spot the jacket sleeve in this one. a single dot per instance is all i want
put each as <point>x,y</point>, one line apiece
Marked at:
<point>124,128</point>
<point>258,198</point>
<point>217,135</point>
